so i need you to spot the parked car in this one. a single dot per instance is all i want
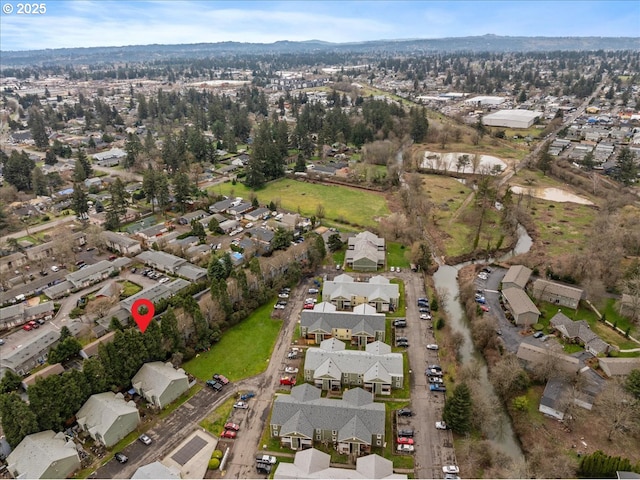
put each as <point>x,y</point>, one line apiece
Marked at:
<point>40,321</point>
<point>278,306</point>
<point>405,448</point>
<point>441,425</point>
<point>437,388</point>
<point>436,380</point>
<point>481,300</point>
<point>399,323</point>
<point>450,469</point>
<point>405,412</point>
<point>283,295</point>
<point>263,468</point>
<point>405,432</point>
<point>270,459</point>
<point>402,343</point>
<point>228,434</point>
<point>112,257</point>
<point>308,306</point>
<point>425,316</point>
<point>90,249</point>
<point>144,438</point>
<point>34,324</point>
<point>27,327</point>
<point>1,341</point>
<point>121,457</point>
<point>313,291</point>
<point>292,355</point>
<point>232,426</point>
<point>433,373</point>
<point>291,370</point>
<point>432,346</point>
<point>288,381</point>
<point>221,378</point>
<point>246,396</point>
<point>424,310</point>
<point>241,405</point>
<point>538,334</point>
<point>164,279</point>
<point>404,441</point>
<point>217,386</point>
<point>484,308</point>
<point>55,268</point>
<point>392,269</point>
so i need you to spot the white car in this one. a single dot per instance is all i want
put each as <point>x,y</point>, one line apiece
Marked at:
<point>55,268</point>
<point>405,448</point>
<point>291,370</point>
<point>283,295</point>
<point>432,346</point>
<point>393,269</point>
<point>242,405</point>
<point>278,306</point>
<point>164,279</point>
<point>313,291</point>
<point>398,269</point>
<point>425,316</point>
<point>441,425</point>
<point>450,469</point>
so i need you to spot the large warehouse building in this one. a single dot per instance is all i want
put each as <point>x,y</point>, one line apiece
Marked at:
<point>511,118</point>
<point>485,101</point>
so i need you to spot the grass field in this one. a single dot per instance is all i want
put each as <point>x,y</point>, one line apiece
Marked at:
<point>130,288</point>
<point>341,204</point>
<point>243,351</point>
<point>215,421</point>
<point>397,255</point>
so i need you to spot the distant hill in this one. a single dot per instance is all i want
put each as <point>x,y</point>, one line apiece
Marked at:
<point>485,43</point>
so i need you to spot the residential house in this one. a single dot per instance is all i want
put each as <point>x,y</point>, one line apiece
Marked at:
<point>49,370</point>
<point>91,274</point>
<point>108,418</point>
<point>533,355</point>
<point>159,383</point>
<point>91,349</point>
<point>312,463</point>
<point>34,352</point>
<point>109,290</point>
<point>93,182</point>
<point>618,366</point>
<point>365,252</point>
<point>228,225</point>
<point>345,293</point>
<point>9,263</point>
<point>559,395</point>
<point>354,423</point>
<point>21,313</point>
<point>361,326</point>
<point>110,158</point>
<point>262,238</point>
<point>169,263</point>
<point>522,308</point>
<point>579,332</point>
<point>121,243</point>
<point>239,209</point>
<point>155,293</point>
<point>58,290</point>
<point>557,293</point>
<point>187,218</point>
<point>153,233</point>
<point>221,206</point>
<point>44,454</point>
<point>376,369</point>
<point>257,214</point>
<point>47,250</point>
<point>155,471</point>
<point>517,276</point>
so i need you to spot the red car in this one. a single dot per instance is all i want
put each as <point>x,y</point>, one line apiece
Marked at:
<point>405,441</point>
<point>228,434</point>
<point>34,324</point>
<point>27,327</point>
<point>221,378</point>
<point>288,381</point>
<point>308,306</point>
<point>484,308</point>
<point>232,426</point>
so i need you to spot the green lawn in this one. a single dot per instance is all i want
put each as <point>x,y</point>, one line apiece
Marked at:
<point>341,204</point>
<point>401,310</point>
<point>215,421</point>
<point>243,351</point>
<point>130,288</point>
<point>397,255</point>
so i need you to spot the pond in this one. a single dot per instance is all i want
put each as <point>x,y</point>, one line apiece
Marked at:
<point>448,162</point>
<point>550,193</point>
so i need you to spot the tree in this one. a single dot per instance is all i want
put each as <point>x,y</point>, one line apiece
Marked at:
<point>81,157</point>
<point>17,170</point>
<point>10,382</point>
<point>588,162</point>
<point>197,229</point>
<point>64,350</point>
<point>37,128</point>
<point>95,375</point>
<point>419,124</point>
<point>214,227</point>
<point>320,212</point>
<point>181,190</point>
<point>421,255</point>
<point>335,243</point>
<point>39,182</point>
<point>626,170</point>
<point>457,409</point>
<point>79,174</point>
<point>149,187</point>
<point>545,159</point>
<point>282,239</point>
<point>162,191</point>
<point>80,201</point>
<point>216,269</point>
<point>18,420</point>
<point>508,377</point>
<point>619,408</point>
<point>632,383</point>
<point>133,147</point>
<point>119,197</point>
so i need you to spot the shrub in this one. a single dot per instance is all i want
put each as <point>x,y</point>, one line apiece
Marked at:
<point>217,454</point>
<point>537,326</point>
<point>214,463</point>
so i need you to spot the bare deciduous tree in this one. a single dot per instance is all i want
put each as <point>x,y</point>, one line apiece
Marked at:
<point>618,408</point>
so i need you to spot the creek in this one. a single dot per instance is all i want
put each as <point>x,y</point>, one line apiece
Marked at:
<point>500,433</point>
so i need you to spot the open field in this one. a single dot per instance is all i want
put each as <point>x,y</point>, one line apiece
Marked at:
<point>341,204</point>
<point>243,351</point>
<point>397,255</point>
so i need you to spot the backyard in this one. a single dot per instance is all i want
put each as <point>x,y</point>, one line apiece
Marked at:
<point>341,204</point>
<point>243,351</point>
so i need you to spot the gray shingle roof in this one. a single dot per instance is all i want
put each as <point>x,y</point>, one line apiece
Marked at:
<point>519,301</point>
<point>517,274</point>
<point>541,286</point>
<point>343,286</point>
<point>39,451</point>
<point>325,322</point>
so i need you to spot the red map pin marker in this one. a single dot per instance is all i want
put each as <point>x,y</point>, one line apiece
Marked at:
<point>142,319</point>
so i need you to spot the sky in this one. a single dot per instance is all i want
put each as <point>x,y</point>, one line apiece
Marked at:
<point>91,23</point>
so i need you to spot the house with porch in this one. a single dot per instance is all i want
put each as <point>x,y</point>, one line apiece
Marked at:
<point>579,332</point>
<point>376,369</point>
<point>365,252</point>
<point>556,293</point>
<point>353,424</point>
<point>345,293</point>
<point>361,326</point>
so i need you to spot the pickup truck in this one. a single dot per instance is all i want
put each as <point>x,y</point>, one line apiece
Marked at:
<point>434,387</point>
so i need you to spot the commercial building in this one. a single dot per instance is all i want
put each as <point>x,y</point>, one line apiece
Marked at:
<point>511,118</point>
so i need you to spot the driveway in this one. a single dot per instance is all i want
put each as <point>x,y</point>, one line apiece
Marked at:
<point>434,448</point>
<point>491,288</point>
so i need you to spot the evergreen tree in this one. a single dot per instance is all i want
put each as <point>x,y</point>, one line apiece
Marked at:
<point>82,158</point>
<point>50,158</point>
<point>626,170</point>
<point>37,128</point>
<point>162,191</point>
<point>17,170</point>
<point>181,190</point>
<point>214,227</point>
<point>197,229</point>
<point>39,182</point>
<point>95,375</point>
<point>457,410</point>
<point>18,420</point>
<point>10,382</point>
<point>419,124</point>
<point>133,147</point>
<point>79,174</point>
<point>149,187</point>
<point>632,383</point>
<point>119,197</point>
<point>170,332</point>
<point>80,201</point>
